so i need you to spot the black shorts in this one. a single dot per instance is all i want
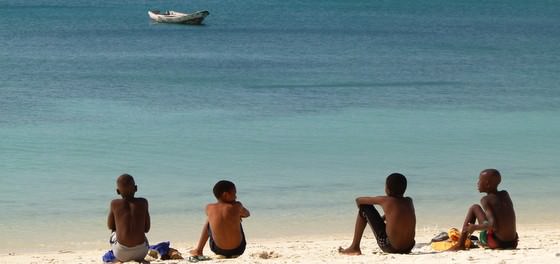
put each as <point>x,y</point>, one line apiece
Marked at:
<point>379,229</point>
<point>228,253</point>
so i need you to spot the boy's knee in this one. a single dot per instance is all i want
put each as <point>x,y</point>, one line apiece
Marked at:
<point>362,209</point>
<point>365,207</point>
<point>475,207</point>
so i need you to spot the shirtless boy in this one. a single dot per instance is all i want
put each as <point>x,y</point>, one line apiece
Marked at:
<point>394,231</point>
<point>223,225</point>
<point>496,216</point>
<point>129,220</point>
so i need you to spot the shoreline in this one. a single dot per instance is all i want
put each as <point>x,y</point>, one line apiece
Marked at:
<point>538,243</point>
<point>185,230</point>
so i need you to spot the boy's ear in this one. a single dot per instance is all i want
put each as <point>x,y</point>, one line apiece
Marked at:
<point>387,191</point>
<point>118,192</point>
<point>135,188</point>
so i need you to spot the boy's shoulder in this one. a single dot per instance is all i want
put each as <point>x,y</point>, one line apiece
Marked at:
<point>140,199</point>
<point>398,199</point>
<point>495,197</point>
<point>213,206</point>
<point>118,201</point>
<point>403,202</point>
<point>407,200</point>
<point>221,206</point>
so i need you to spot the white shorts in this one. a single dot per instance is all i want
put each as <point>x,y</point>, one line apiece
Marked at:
<point>124,253</point>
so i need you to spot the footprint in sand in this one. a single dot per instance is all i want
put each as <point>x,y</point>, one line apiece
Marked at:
<point>266,255</point>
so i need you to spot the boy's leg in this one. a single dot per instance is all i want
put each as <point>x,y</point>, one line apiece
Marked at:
<point>475,213</point>
<point>201,242</point>
<point>367,213</point>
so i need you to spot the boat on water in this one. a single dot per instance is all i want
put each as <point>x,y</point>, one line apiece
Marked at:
<point>171,16</point>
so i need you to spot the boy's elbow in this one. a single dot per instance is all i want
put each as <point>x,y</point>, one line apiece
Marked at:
<point>111,225</point>
<point>147,227</point>
<point>358,200</point>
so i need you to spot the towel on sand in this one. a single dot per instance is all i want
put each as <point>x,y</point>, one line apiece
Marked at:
<point>162,249</point>
<point>453,235</point>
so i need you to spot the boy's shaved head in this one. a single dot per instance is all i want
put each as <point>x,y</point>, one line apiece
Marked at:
<point>125,180</point>
<point>492,176</point>
<point>488,180</point>
<point>126,185</point>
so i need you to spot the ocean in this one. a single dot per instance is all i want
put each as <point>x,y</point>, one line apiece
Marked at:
<point>305,105</point>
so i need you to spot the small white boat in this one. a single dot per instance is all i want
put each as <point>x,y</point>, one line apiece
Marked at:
<point>171,16</point>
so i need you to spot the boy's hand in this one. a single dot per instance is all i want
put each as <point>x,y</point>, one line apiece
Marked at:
<point>243,211</point>
<point>471,228</point>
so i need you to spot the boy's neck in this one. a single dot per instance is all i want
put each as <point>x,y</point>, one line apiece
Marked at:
<point>128,197</point>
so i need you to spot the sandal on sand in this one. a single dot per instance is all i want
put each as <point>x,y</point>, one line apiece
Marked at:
<point>440,237</point>
<point>194,259</point>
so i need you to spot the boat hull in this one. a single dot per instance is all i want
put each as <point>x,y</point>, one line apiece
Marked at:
<point>175,17</point>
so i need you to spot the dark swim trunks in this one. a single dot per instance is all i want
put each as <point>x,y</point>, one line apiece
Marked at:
<point>494,242</point>
<point>378,227</point>
<point>228,253</point>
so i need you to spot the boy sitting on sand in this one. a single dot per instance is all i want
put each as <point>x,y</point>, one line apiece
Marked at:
<point>223,225</point>
<point>129,220</point>
<point>394,231</point>
<point>496,216</point>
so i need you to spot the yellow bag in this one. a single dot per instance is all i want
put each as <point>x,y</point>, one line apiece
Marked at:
<point>454,235</point>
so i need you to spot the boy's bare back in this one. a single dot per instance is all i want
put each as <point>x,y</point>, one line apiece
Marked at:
<point>500,207</point>
<point>225,222</point>
<point>129,217</point>
<point>130,220</point>
<point>401,221</point>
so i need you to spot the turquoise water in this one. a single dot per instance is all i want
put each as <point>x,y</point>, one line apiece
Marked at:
<point>303,104</point>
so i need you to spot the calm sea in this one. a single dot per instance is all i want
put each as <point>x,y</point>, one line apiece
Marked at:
<point>303,104</point>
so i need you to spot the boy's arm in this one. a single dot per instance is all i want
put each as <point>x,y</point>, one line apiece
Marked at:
<point>489,217</point>
<point>370,200</point>
<point>243,212</point>
<point>148,221</point>
<point>489,213</point>
<point>111,219</point>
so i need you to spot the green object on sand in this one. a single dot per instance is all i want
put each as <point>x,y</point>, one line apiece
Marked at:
<point>194,259</point>
<point>483,237</point>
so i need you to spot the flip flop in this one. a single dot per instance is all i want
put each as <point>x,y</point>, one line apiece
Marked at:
<point>440,237</point>
<point>194,259</point>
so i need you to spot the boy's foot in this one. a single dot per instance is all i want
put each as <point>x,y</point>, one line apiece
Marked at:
<point>455,247</point>
<point>349,251</point>
<point>195,252</point>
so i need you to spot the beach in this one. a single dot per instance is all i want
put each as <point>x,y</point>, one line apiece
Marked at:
<point>537,244</point>
<point>303,112</point>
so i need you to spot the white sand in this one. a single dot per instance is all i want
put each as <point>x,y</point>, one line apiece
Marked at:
<point>538,244</point>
